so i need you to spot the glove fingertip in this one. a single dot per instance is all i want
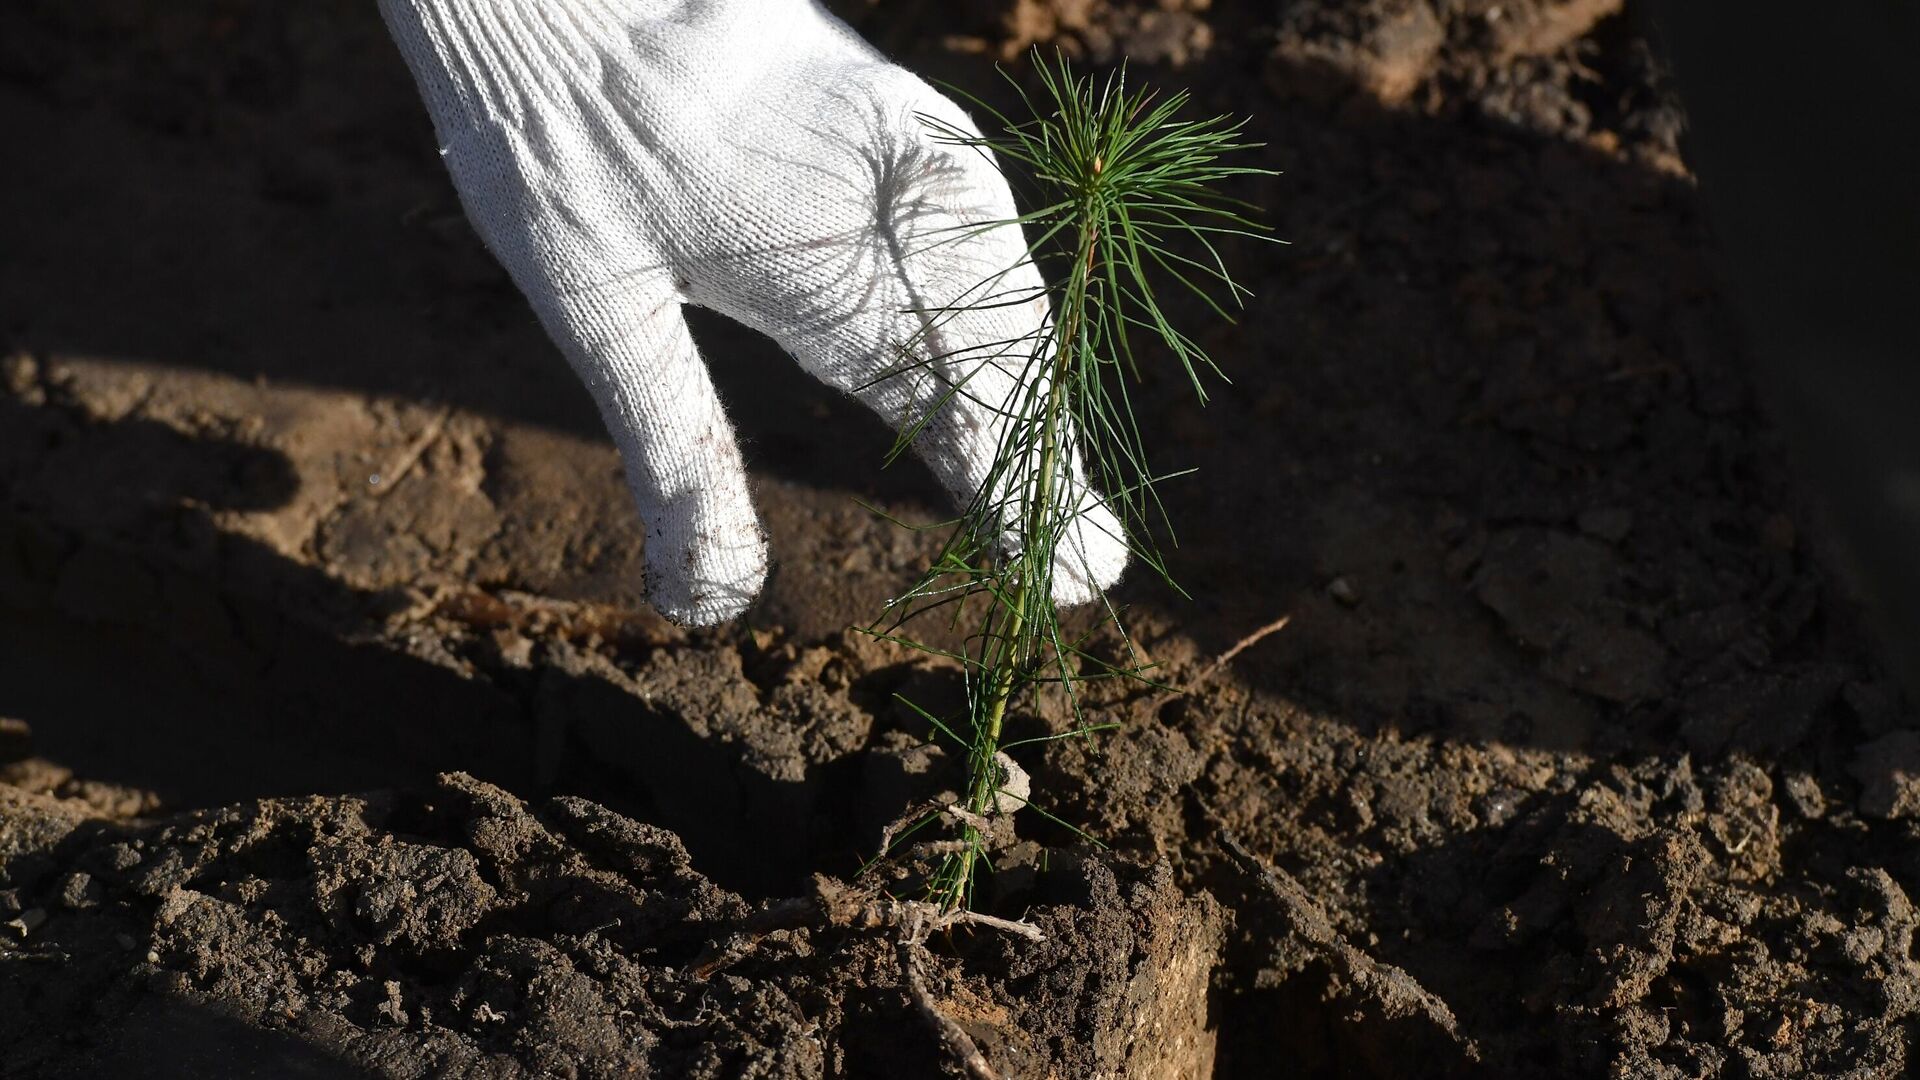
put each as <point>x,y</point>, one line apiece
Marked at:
<point>707,582</point>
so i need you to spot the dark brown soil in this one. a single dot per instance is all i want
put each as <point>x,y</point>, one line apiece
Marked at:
<point>1573,759</point>
<point>460,932</point>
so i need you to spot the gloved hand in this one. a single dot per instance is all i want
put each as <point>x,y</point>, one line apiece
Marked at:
<point>622,158</point>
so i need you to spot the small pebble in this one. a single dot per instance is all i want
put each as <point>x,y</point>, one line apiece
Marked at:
<point>27,922</point>
<point>1497,807</point>
<point>1804,795</point>
<point>515,649</point>
<point>79,891</point>
<point>1015,785</point>
<point>122,857</point>
<point>391,1009</point>
<point>1342,590</point>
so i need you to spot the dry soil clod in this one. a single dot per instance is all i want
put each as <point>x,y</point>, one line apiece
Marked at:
<point>1382,988</point>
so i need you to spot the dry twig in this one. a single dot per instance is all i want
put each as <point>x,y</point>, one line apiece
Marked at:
<point>390,478</point>
<point>1245,643</point>
<point>1149,703</point>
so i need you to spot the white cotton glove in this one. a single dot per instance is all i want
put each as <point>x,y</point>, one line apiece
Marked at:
<point>625,157</point>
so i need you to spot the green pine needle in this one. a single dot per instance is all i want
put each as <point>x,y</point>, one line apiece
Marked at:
<point>1129,205</point>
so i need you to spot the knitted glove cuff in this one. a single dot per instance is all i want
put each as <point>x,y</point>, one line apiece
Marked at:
<point>500,60</point>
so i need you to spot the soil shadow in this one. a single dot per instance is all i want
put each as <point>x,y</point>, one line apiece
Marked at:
<point>1526,455</point>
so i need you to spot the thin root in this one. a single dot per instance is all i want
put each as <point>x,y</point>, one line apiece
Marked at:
<point>966,817</point>
<point>901,824</point>
<point>941,920</point>
<point>836,905</point>
<point>933,849</point>
<point>962,1044</point>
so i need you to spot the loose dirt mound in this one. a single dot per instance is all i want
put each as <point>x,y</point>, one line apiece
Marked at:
<point>1570,761</point>
<point>462,933</point>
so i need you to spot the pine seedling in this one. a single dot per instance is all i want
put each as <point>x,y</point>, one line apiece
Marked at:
<point>1129,206</point>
